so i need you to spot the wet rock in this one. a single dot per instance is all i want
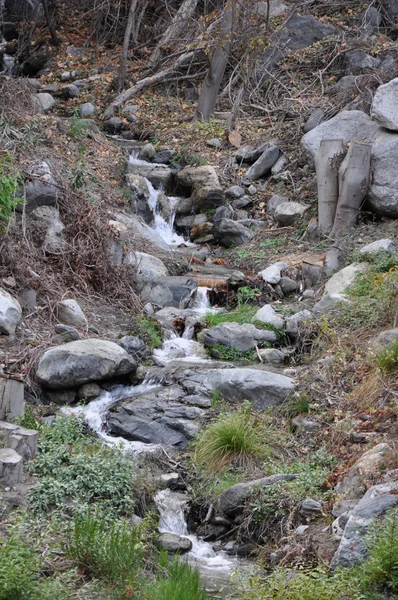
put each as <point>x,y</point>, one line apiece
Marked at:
<point>146,267</point>
<point>174,543</point>
<point>384,106</point>
<point>178,292</point>
<point>134,346</point>
<point>200,232</point>
<point>147,152</point>
<point>316,117</point>
<point>10,313</point>
<point>130,227</point>
<point>288,213</point>
<point>267,314</point>
<point>43,102</point>
<point>371,508</point>
<point>88,391</point>
<point>232,501</point>
<point>263,164</point>
<point>159,175</point>
<point>69,333</point>
<point>87,109</point>
<point>379,246</point>
<point>205,176</point>
<point>230,233</point>
<point>83,361</point>
<point>272,274</point>
<point>61,397</point>
<point>207,198</point>
<point>70,313</point>
<point>239,337</point>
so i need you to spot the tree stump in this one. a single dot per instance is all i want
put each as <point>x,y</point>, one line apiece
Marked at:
<point>20,439</point>
<point>11,467</point>
<point>11,398</point>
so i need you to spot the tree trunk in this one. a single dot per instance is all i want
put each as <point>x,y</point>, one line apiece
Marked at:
<point>327,174</point>
<point>50,23</point>
<point>175,29</point>
<point>354,175</point>
<point>147,82</point>
<point>211,85</point>
<point>125,49</point>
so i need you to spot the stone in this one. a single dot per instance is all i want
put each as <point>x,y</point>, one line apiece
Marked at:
<point>371,20</point>
<point>146,267</point>
<point>223,212</point>
<point>70,313</point>
<point>242,202</point>
<point>235,191</point>
<point>69,333</point>
<point>191,221</point>
<point>130,227</point>
<point>232,501</point>
<point>239,337</point>
<point>88,391</point>
<point>367,466</point>
<point>61,397</point>
<point>267,314</point>
<point>297,322</point>
<point>134,346</point>
<point>371,508</point>
<point>391,6</point>
<point>272,356</point>
<point>207,198</point>
<point>316,117</point>
<point>230,233</point>
<point>75,363</point>
<point>39,193</point>
<point>252,190</point>
<point>288,213</point>
<point>384,106</point>
<point>310,508</point>
<point>12,403</point>
<point>288,285</point>
<point>87,109</point>
<point>159,175</point>
<point>272,274</point>
<point>379,246</point>
<point>279,165</point>
<point>11,467</point>
<point>113,125</point>
<point>309,294</point>
<point>28,299</point>
<point>357,62</point>
<point>301,31</point>
<point>130,109</point>
<point>65,76</point>
<point>385,338</point>
<point>214,143</point>
<point>199,232</point>
<point>48,217</point>
<point>275,8</point>
<point>178,292</point>
<point>205,176</point>
<point>10,313</point>
<point>51,88</point>
<point>336,287</point>
<point>174,543</point>
<point>164,156</point>
<point>147,153</point>
<point>263,164</point>
<point>259,387</point>
<point>70,91</point>
<point>43,102</point>
<point>249,154</point>
<point>274,202</point>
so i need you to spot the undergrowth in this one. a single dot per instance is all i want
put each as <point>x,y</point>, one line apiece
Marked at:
<point>10,181</point>
<point>150,330</point>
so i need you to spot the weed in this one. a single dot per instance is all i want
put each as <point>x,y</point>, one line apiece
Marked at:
<point>18,571</point>
<point>174,581</point>
<point>78,127</point>
<point>295,405</point>
<point>272,243</point>
<point>151,330</point>
<point>10,181</point>
<point>387,359</point>
<point>226,353</point>
<point>214,399</point>
<point>247,294</point>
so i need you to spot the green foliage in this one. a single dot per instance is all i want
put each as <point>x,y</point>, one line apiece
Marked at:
<point>28,419</point>
<point>387,358</point>
<point>227,353</point>
<point>241,314</point>
<point>272,243</point>
<point>10,181</point>
<point>247,294</point>
<point>78,127</point>
<point>75,471</point>
<point>110,551</point>
<point>238,437</point>
<point>174,581</point>
<point>151,330</point>
<point>18,571</point>
<point>295,405</point>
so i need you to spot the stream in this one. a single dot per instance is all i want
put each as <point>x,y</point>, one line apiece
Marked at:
<point>218,571</point>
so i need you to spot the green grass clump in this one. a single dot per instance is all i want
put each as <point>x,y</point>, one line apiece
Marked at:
<point>10,181</point>
<point>387,359</point>
<point>238,438</point>
<point>18,571</point>
<point>175,581</point>
<point>241,314</point>
<point>76,471</point>
<point>109,551</point>
<point>227,353</point>
<point>151,331</point>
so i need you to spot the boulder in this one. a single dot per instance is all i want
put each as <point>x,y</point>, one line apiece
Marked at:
<point>164,156</point>
<point>207,198</point>
<point>127,227</point>
<point>272,274</point>
<point>114,125</point>
<point>385,105</point>
<point>263,164</point>
<point>70,313</point>
<point>391,6</point>
<point>369,510</point>
<point>199,232</point>
<point>272,356</point>
<point>232,501</point>
<point>70,91</point>
<point>231,233</point>
<point>178,292</point>
<point>174,543</point>
<point>279,165</point>
<point>274,202</point>
<point>223,212</point>
<point>43,102</point>
<point>261,388</point>
<point>336,287</point>
<point>160,176</point>
<point>147,153</point>
<point>146,267</point>
<point>384,338</point>
<point>301,31</point>
<point>134,346</point>
<point>379,246</point>
<point>10,313</point>
<point>371,20</point>
<point>68,333</point>
<point>288,285</point>
<point>87,109</point>
<point>357,62</point>
<point>316,117</point>
<point>249,154</point>
<point>196,177</point>
<point>88,391</point>
<point>296,321</point>
<point>240,337</point>
<point>48,217</point>
<point>366,467</point>
<point>267,314</point>
<point>288,213</point>
<point>235,191</point>
<point>70,365</point>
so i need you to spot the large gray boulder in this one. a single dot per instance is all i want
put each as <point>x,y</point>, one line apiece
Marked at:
<point>70,313</point>
<point>43,102</point>
<point>10,313</point>
<point>231,233</point>
<point>267,314</point>
<point>48,217</point>
<point>205,176</point>
<point>336,287</point>
<point>372,508</point>
<point>385,105</point>
<point>160,176</point>
<point>261,388</point>
<point>146,267</point>
<point>42,188</point>
<point>379,246</point>
<point>178,292</point>
<point>288,213</point>
<point>174,543</point>
<point>232,501</point>
<point>240,337</point>
<point>129,228</point>
<point>75,363</point>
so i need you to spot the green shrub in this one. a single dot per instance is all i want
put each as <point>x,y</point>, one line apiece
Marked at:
<point>151,331</point>
<point>242,314</point>
<point>10,181</point>
<point>226,353</point>
<point>387,359</point>
<point>174,581</point>
<point>75,470</point>
<point>110,551</point>
<point>238,437</point>
<point>78,127</point>
<point>18,571</point>
<point>247,294</point>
